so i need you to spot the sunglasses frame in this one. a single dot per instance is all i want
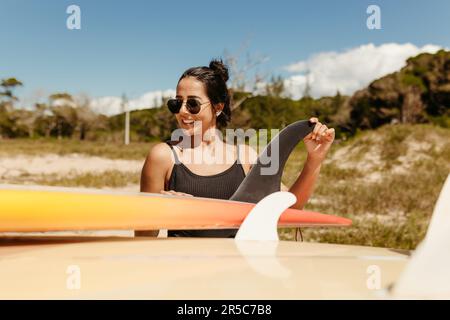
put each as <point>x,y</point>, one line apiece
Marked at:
<point>188,107</point>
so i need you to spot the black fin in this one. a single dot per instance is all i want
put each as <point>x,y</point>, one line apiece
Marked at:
<point>257,185</point>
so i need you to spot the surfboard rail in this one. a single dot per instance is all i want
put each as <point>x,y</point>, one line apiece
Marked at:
<point>31,209</point>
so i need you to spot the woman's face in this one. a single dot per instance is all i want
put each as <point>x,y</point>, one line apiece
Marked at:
<point>190,87</point>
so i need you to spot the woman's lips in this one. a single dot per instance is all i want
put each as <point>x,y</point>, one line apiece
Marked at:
<point>188,122</point>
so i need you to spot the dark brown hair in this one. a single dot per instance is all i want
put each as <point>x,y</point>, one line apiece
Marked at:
<point>214,78</point>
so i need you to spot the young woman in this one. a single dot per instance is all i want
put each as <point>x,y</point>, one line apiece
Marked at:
<point>202,104</point>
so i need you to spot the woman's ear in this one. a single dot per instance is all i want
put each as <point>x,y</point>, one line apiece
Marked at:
<point>218,108</point>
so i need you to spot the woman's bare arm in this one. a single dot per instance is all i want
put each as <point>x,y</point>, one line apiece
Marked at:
<point>156,166</point>
<point>304,185</point>
<point>153,176</point>
<point>317,144</point>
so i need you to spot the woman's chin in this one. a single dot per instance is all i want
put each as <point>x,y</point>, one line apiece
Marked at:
<point>188,130</point>
<point>191,130</point>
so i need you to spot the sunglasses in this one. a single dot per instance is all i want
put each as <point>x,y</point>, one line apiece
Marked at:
<point>193,105</point>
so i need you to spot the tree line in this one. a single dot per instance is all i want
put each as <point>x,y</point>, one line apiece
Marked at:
<point>63,115</point>
<point>418,93</point>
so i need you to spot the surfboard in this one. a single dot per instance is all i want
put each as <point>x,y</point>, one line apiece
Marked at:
<point>28,209</point>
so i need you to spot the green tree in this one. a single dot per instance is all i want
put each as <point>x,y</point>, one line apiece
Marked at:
<point>8,86</point>
<point>62,107</point>
<point>7,99</point>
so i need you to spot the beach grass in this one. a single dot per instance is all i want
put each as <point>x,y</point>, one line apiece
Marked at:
<point>111,150</point>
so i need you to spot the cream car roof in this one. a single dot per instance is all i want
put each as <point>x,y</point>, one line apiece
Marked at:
<point>170,268</point>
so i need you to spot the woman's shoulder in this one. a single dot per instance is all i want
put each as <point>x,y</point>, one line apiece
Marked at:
<point>160,153</point>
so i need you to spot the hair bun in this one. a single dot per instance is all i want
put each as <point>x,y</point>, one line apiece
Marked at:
<point>219,67</point>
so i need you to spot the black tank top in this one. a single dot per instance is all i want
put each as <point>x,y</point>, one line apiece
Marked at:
<point>218,186</point>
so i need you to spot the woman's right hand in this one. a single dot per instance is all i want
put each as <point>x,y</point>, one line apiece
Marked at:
<point>175,193</point>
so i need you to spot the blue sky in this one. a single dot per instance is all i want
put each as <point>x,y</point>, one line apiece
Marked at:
<point>142,46</point>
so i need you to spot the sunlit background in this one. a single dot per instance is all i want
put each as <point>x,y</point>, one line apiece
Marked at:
<point>65,92</point>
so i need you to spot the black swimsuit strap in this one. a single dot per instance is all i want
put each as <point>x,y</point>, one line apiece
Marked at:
<point>171,144</point>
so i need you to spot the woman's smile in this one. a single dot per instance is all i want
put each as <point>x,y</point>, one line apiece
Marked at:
<point>187,121</point>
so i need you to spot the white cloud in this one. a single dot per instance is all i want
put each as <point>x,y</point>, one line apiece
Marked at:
<point>350,70</point>
<point>113,105</point>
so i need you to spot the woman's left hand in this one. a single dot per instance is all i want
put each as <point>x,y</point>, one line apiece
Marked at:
<point>319,141</point>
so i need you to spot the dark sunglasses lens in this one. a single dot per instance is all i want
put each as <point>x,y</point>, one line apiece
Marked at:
<point>193,106</point>
<point>174,105</point>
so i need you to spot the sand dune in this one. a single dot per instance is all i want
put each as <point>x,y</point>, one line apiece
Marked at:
<point>62,165</point>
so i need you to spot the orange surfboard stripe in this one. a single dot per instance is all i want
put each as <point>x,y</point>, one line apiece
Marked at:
<point>41,210</point>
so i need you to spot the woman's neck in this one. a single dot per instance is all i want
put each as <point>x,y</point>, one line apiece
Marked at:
<point>208,138</point>
<point>209,147</point>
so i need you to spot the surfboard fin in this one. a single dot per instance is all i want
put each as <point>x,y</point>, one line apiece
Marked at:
<point>265,176</point>
<point>261,223</point>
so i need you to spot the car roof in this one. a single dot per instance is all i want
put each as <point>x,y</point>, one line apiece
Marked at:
<point>192,268</point>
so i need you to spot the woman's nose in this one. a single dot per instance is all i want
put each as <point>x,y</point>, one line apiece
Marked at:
<point>183,108</point>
